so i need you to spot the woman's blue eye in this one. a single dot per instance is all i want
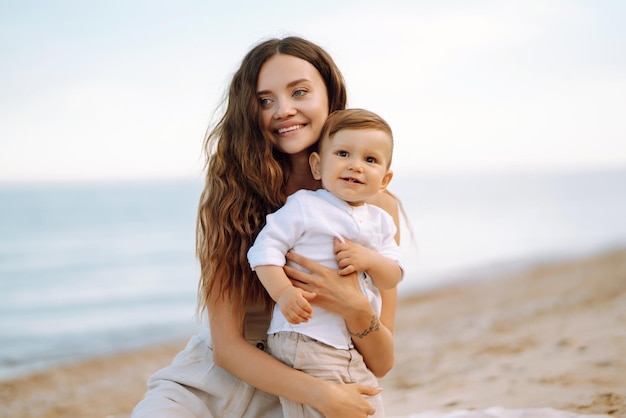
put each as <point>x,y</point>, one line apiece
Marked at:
<point>299,93</point>
<point>264,102</point>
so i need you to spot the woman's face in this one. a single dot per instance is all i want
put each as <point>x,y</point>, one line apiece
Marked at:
<point>294,103</point>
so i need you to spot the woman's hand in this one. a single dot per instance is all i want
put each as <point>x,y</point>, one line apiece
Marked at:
<point>347,400</point>
<point>335,293</point>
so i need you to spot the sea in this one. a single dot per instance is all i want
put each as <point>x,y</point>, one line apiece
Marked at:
<point>88,269</point>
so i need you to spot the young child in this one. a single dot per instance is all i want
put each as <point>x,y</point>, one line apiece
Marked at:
<point>335,227</point>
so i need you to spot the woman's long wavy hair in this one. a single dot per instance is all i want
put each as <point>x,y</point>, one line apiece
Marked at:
<point>246,176</point>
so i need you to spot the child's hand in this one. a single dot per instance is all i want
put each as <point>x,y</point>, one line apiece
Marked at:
<point>294,306</point>
<point>352,257</point>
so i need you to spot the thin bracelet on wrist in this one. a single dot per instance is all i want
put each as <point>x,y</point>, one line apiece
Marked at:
<point>374,326</point>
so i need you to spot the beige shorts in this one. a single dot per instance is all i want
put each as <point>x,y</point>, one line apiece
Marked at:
<point>323,361</point>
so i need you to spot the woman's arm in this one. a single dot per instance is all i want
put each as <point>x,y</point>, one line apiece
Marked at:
<point>384,344</point>
<point>233,353</point>
<point>374,340</point>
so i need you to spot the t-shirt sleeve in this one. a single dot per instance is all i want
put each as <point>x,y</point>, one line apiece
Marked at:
<point>281,231</point>
<point>390,248</point>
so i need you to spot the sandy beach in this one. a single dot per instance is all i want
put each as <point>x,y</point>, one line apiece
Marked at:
<point>549,336</point>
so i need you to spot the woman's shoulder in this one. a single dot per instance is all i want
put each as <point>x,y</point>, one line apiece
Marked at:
<point>387,202</point>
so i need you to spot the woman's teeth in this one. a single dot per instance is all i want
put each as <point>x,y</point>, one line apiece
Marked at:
<point>289,129</point>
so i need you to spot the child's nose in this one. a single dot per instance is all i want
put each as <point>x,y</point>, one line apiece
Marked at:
<point>355,166</point>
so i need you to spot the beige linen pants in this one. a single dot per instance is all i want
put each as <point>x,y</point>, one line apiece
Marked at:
<point>194,387</point>
<point>323,361</point>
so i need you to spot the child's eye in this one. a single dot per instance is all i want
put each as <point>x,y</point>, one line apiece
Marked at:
<point>370,160</point>
<point>342,153</point>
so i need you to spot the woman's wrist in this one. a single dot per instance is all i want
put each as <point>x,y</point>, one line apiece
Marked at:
<point>319,393</point>
<point>360,315</point>
<point>373,327</point>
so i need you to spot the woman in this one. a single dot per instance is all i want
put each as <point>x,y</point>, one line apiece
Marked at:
<point>256,156</point>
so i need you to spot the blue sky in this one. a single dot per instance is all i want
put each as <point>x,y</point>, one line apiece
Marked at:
<point>126,89</point>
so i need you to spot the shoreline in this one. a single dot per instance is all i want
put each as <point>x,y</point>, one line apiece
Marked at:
<point>91,351</point>
<point>551,335</point>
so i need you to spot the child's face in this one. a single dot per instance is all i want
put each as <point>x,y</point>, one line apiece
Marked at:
<point>353,165</point>
<point>294,102</point>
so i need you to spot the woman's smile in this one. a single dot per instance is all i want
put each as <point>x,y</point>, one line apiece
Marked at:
<point>291,128</point>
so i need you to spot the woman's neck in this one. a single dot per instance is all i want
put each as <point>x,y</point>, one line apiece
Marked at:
<point>301,176</point>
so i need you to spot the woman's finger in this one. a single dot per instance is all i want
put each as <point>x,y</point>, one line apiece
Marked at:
<point>303,281</point>
<point>303,261</point>
<point>297,275</point>
<point>368,390</point>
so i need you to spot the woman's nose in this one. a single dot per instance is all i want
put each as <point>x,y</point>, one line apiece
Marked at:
<point>284,109</point>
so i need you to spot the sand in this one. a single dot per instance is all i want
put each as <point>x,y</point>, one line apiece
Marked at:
<point>551,336</point>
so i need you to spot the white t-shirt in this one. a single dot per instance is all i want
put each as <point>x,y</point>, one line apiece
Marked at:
<point>307,224</point>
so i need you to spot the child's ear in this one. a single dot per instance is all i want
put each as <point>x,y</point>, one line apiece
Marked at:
<point>386,179</point>
<point>314,162</point>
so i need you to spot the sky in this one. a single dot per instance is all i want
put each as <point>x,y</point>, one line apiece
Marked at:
<point>117,89</point>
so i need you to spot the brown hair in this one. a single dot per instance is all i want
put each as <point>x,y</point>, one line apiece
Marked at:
<point>354,119</point>
<point>246,176</point>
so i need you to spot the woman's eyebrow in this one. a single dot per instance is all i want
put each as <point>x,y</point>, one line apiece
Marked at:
<point>290,84</point>
<point>298,81</point>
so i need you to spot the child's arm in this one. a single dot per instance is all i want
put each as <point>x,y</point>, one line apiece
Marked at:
<point>290,299</point>
<point>351,257</point>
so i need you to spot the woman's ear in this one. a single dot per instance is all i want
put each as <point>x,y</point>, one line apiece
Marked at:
<point>314,162</point>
